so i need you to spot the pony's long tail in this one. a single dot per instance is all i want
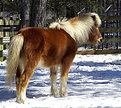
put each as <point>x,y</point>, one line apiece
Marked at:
<point>13,58</point>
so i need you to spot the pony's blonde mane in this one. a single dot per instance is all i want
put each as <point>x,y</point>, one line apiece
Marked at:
<point>78,27</point>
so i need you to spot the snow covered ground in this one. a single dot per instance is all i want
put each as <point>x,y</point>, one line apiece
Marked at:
<point>94,82</point>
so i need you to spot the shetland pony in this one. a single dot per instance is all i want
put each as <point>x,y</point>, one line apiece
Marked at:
<point>56,46</point>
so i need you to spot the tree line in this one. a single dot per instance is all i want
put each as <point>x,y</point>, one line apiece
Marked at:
<point>35,12</point>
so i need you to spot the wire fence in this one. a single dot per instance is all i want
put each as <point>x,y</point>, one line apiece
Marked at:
<point>110,13</point>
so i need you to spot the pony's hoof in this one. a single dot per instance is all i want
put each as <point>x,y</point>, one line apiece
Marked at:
<point>63,94</point>
<point>23,101</point>
<point>54,93</point>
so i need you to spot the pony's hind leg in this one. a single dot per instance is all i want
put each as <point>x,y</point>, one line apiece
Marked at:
<point>53,77</point>
<point>22,80</point>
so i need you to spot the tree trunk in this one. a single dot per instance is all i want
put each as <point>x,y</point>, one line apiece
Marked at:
<point>25,13</point>
<point>38,13</point>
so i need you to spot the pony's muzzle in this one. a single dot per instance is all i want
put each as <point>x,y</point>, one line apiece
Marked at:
<point>100,40</point>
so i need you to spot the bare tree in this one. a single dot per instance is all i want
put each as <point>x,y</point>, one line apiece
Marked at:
<point>25,10</point>
<point>38,13</point>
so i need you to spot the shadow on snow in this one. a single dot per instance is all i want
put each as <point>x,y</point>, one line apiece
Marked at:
<point>79,82</point>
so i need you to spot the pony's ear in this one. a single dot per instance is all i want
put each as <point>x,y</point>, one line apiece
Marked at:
<point>95,20</point>
<point>93,17</point>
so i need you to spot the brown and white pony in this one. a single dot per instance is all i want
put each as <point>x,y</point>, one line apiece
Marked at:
<point>53,47</point>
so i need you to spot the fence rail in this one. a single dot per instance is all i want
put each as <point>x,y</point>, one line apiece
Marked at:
<point>8,27</point>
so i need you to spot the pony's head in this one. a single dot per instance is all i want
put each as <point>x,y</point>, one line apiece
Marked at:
<point>82,28</point>
<point>95,35</point>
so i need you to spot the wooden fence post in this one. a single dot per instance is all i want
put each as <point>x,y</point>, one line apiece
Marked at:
<point>1,38</point>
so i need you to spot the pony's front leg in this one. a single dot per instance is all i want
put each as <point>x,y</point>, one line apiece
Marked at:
<point>63,84</point>
<point>53,77</point>
<point>65,66</point>
<point>22,81</point>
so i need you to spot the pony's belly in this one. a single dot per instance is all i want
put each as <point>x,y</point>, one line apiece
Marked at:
<point>45,63</point>
<point>41,64</point>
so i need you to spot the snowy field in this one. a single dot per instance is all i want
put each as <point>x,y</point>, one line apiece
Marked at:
<point>94,82</point>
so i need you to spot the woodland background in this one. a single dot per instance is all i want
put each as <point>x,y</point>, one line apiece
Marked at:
<point>41,12</point>
<point>16,14</point>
